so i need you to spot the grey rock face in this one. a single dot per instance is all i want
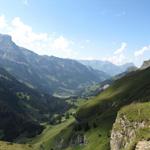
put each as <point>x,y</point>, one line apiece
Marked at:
<point>124,132</point>
<point>78,139</point>
<point>143,145</point>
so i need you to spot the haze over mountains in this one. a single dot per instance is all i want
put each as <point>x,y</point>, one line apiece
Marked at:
<point>74,75</point>
<point>31,114</point>
<point>49,74</point>
<point>107,66</point>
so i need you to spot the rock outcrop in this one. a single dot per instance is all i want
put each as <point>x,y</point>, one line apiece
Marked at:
<point>124,132</point>
<point>78,139</point>
<point>131,128</point>
<point>143,145</point>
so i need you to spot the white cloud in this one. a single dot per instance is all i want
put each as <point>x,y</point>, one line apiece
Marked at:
<point>118,56</point>
<point>23,33</point>
<point>62,46</point>
<point>41,43</point>
<point>3,23</point>
<point>121,49</point>
<point>141,51</point>
<point>60,43</point>
<point>116,59</point>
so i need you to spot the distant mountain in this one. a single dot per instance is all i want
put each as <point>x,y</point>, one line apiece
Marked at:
<point>107,66</point>
<point>96,89</point>
<point>22,108</point>
<point>49,74</point>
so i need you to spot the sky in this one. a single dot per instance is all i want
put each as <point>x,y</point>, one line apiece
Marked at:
<point>112,30</point>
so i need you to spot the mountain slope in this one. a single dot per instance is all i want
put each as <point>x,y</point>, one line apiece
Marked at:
<point>96,117</point>
<point>133,86</point>
<point>22,108</point>
<point>106,66</point>
<point>14,121</point>
<point>49,74</point>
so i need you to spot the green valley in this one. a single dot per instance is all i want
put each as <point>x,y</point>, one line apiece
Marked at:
<point>50,103</point>
<point>96,122</point>
<point>74,75</point>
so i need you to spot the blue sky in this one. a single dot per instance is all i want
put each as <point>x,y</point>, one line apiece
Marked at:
<point>114,30</point>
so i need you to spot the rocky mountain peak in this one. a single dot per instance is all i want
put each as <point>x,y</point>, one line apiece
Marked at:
<point>4,38</point>
<point>6,42</point>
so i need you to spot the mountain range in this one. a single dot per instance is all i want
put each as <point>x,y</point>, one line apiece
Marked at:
<point>46,73</point>
<point>115,119</point>
<point>107,66</point>
<point>112,115</point>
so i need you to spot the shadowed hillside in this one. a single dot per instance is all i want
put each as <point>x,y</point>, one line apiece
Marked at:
<point>22,108</point>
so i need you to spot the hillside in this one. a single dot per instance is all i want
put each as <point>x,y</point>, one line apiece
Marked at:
<point>127,96</point>
<point>46,73</point>
<point>22,108</point>
<point>74,75</point>
<point>96,117</point>
<point>132,87</point>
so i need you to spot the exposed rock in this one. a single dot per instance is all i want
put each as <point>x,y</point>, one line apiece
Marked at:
<point>143,145</point>
<point>124,132</point>
<point>5,38</point>
<point>78,139</point>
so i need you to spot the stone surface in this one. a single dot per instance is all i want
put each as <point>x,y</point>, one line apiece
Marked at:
<point>124,132</point>
<point>143,145</point>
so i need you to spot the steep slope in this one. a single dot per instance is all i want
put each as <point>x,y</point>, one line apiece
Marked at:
<point>14,121</point>
<point>96,117</point>
<point>106,66</point>
<point>96,89</point>
<point>49,74</point>
<point>131,127</point>
<point>133,86</point>
<point>22,108</point>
